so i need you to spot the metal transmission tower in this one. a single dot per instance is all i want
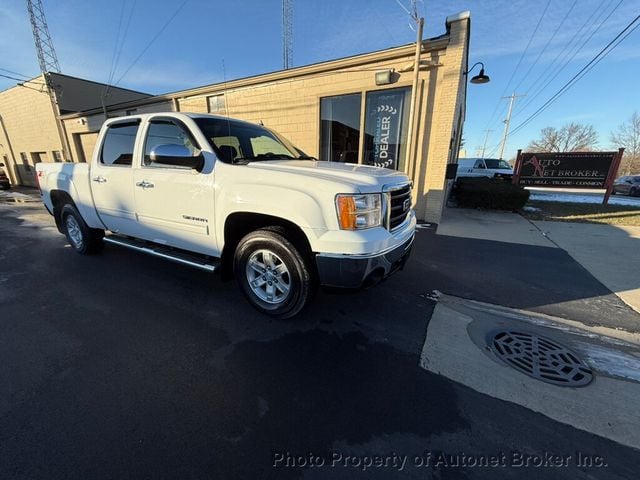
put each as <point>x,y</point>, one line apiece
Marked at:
<point>287,34</point>
<point>48,63</point>
<point>44,46</point>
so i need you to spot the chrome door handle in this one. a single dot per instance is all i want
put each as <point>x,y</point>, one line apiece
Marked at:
<point>144,184</point>
<point>99,179</point>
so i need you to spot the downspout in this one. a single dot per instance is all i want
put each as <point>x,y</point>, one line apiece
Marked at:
<point>16,180</point>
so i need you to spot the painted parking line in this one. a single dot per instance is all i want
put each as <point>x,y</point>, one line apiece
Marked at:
<point>458,346</point>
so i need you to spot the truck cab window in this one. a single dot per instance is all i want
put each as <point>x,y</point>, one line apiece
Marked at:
<point>117,148</point>
<point>162,133</point>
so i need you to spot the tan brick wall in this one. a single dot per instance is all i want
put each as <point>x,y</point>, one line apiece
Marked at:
<point>440,122</point>
<point>31,127</point>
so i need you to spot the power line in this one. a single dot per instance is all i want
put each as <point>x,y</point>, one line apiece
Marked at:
<point>566,63</point>
<point>117,48</point>
<point>563,52</point>
<point>122,42</point>
<point>544,49</point>
<point>506,88</point>
<point>20,79</point>
<point>16,73</point>
<point>619,38</point>
<point>115,45</point>
<point>155,37</point>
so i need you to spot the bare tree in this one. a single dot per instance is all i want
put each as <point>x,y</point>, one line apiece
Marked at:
<point>572,137</point>
<point>627,135</point>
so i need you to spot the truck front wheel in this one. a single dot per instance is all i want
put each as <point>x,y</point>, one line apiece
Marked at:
<point>81,237</point>
<point>272,274</point>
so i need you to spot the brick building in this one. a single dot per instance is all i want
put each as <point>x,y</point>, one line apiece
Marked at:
<point>30,131</point>
<point>355,109</point>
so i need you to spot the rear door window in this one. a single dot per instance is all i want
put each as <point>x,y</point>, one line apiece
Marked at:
<point>119,141</point>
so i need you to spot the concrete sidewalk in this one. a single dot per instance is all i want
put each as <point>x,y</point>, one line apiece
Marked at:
<point>609,253</point>
<point>491,225</point>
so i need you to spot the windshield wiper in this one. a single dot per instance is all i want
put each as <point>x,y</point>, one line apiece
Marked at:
<point>306,157</point>
<point>261,156</point>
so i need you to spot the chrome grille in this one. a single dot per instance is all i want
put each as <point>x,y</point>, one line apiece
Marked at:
<point>399,205</point>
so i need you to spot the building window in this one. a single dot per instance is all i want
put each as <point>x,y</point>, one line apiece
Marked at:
<point>215,103</point>
<point>57,156</point>
<point>386,124</point>
<point>25,161</point>
<point>340,128</point>
<point>38,157</point>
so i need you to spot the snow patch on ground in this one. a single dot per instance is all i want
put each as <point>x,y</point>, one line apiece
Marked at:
<point>583,198</point>
<point>19,195</point>
<point>530,209</point>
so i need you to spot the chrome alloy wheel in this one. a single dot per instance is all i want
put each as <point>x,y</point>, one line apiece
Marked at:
<point>268,276</point>
<point>75,234</point>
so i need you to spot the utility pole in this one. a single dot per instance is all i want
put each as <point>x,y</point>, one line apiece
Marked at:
<point>411,148</point>
<point>507,122</point>
<point>486,137</point>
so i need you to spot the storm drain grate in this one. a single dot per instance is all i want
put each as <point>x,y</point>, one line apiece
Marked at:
<point>540,358</point>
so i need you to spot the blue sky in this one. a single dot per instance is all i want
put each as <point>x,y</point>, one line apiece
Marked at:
<point>246,35</point>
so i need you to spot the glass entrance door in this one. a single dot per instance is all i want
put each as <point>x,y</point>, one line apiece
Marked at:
<point>340,128</point>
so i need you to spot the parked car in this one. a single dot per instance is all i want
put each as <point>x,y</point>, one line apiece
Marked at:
<point>4,180</point>
<point>227,195</point>
<point>484,167</point>
<point>627,185</point>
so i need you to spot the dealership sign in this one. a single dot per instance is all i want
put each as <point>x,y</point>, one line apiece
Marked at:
<point>595,170</point>
<point>384,117</point>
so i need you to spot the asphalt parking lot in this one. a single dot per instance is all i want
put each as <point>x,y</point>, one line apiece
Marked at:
<point>123,366</point>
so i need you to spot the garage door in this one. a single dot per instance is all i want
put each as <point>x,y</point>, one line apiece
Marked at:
<point>85,143</point>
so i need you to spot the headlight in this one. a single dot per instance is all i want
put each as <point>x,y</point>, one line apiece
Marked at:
<point>356,212</point>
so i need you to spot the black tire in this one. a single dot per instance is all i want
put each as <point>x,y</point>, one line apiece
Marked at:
<point>81,237</point>
<point>251,251</point>
<point>634,192</point>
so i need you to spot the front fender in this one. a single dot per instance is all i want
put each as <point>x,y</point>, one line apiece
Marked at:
<point>296,206</point>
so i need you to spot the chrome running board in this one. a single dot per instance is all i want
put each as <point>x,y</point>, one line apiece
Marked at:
<point>179,256</point>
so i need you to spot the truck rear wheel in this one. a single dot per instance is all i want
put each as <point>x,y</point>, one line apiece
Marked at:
<point>272,274</point>
<point>81,237</point>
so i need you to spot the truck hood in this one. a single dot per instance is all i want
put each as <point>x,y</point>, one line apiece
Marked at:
<point>363,178</point>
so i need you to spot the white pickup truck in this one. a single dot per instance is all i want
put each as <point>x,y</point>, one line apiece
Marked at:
<point>223,194</point>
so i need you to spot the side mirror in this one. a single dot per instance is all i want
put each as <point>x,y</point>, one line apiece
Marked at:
<point>176,155</point>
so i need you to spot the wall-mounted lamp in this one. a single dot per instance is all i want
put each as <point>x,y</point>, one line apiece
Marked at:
<point>481,77</point>
<point>384,77</point>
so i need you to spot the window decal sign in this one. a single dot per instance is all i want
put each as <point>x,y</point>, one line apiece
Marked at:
<point>384,123</point>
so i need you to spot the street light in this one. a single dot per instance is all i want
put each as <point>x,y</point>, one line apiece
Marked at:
<point>481,77</point>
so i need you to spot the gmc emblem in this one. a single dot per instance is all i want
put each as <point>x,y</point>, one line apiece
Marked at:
<point>406,204</point>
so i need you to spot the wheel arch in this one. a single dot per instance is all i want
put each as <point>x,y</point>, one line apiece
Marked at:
<point>239,224</point>
<point>59,198</point>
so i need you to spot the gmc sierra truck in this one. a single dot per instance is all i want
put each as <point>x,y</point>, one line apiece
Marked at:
<point>222,194</point>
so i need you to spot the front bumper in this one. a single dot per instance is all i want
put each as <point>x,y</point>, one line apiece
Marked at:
<point>355,271</point>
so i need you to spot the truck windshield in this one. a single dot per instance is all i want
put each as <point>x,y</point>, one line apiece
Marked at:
<point>495,163</point>
<point>241,142</point>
